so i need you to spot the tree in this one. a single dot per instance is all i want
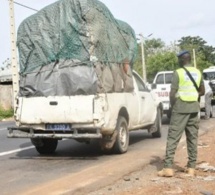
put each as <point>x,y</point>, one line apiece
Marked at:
<point>161,57</point>
<point>161,61</point>
<point>151,46</point>
<point>138,62</point>
<point>205,55</point>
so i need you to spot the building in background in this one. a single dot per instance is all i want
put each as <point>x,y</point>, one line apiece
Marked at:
<point>5,72</point>
<point>6,92</point>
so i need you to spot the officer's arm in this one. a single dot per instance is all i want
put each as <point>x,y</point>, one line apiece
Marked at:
<point>201,90</point>
<point>172,96</point>
<point>174,88</point>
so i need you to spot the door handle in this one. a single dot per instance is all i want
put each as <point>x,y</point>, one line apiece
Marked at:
<point>142,97</point>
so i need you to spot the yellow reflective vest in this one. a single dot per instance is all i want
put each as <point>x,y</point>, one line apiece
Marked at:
<point>187,91</point>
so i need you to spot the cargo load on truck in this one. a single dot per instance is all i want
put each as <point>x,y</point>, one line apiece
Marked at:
<point>75,47</point>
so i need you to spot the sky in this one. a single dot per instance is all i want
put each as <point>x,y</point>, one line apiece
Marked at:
<point>168,20</point>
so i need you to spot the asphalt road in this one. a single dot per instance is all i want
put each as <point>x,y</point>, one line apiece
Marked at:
<point>23,168</point>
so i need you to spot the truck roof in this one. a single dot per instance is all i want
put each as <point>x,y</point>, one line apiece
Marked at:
<point>161,72</point>
<point>210,69</point>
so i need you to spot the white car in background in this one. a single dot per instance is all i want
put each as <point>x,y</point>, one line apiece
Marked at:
<point>161,87</point>
<point>162,84</point>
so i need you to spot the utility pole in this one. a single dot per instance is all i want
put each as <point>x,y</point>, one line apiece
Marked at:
<point>194,58</point>
<point>14,62</point>
<point>143,58</point>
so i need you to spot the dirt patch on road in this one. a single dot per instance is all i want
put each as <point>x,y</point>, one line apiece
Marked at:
<point>146,181</point>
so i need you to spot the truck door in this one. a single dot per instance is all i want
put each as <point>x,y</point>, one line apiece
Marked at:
<point>147,106</point>
<point>163,82</point>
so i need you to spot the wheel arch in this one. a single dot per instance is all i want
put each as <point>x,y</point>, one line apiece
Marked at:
<point>123,112</point>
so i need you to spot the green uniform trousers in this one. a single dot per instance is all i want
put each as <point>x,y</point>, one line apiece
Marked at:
<point>180,122</point>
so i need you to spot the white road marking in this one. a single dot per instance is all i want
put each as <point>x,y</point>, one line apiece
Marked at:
<point>4,129</point>
<point>15,151</point>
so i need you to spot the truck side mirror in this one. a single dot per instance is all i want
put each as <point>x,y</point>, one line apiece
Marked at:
<point>154,86</point>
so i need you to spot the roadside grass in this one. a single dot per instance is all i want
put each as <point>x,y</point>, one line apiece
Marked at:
<point>5,113</point>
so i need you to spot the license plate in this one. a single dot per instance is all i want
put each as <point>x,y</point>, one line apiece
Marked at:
<point>58,127</point>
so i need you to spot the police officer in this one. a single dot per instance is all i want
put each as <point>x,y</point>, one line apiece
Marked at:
<point>185,109</point>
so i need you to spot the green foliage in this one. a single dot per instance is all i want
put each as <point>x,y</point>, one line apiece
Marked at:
<point>138,62</point>
<point>157,58</point>
<point>5,113</point>
<point>190,43</point>
<point>162,61</point>
<point>152,45</point>
<point>205,55</point>
<point>161,58</point>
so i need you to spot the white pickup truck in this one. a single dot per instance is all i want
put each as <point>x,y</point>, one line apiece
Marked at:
<point>108,117</point>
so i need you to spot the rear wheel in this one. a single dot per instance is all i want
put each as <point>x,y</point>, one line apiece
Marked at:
<point>122,138</point>
<point>158,124</point>
<point>211,112</point>
<point>168,114</point>
<point>45,146</point>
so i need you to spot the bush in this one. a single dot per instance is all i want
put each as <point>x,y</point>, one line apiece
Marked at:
<point>6,113</point>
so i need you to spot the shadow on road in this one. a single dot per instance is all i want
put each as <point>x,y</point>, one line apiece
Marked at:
<point>24,145</point>
<point>73,150</point>
<point>158,162</point>
<point>138,136</point>
<point>165,120</point>
<point>66,150</point>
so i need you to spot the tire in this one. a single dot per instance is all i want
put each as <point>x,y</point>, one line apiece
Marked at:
<point>168,114</point>
<point>122,138</point>
<point>45,146</point>
<point>158,123</point>
<point>211,112</point>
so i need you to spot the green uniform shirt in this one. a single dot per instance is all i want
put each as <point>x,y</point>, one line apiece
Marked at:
<point>182,106</point>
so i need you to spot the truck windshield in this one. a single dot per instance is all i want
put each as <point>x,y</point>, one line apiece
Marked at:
<point>164,80</point>
<point>208,75</point>
<point>168,78</point>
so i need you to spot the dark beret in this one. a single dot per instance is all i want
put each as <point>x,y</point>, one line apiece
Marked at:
<point>182,53</point>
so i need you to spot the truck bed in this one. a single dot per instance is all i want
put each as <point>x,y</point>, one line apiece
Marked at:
<point>39,110</point>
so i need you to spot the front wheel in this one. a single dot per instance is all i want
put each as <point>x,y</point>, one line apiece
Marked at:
<point>45,146</point>
<point>122,138</point>
<point>158,122</point>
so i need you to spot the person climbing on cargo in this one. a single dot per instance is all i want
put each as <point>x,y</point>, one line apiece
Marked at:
<point>185,109</point>
<point>127,76</point>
